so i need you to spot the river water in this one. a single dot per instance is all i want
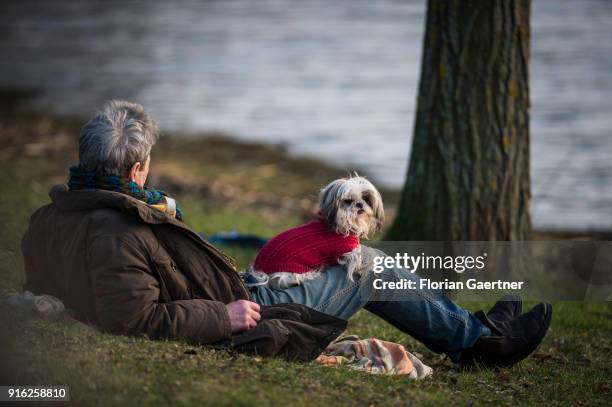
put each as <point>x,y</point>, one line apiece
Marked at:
<point>334,79</point>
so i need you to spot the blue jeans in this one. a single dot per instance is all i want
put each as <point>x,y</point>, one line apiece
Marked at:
<point>426,315</point>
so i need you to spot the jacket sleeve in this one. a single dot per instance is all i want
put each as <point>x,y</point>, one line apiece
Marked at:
<point>127,294</point>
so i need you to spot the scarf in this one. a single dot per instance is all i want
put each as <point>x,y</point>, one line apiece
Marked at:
<point>83,179</point>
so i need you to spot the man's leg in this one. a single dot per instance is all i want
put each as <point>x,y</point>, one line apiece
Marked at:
<point>427,315</point>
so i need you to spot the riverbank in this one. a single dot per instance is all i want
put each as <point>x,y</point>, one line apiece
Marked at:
<point>212,168</point>
<point>224,184</point>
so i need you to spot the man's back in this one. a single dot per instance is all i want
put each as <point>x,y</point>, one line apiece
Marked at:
<point>117,262</point>
<point>55,249</point>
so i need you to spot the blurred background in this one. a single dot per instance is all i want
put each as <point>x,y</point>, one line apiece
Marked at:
<point>334,79</point>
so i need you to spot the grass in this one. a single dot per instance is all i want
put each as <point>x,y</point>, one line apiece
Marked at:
<point>226,185</point>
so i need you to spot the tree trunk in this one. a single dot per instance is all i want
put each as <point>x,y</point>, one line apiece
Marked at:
<point>468,177</point>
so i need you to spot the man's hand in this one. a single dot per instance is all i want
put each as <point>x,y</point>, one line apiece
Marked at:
<point>243,315</point>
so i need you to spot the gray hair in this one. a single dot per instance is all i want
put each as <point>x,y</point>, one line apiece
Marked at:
<point>116,138</point>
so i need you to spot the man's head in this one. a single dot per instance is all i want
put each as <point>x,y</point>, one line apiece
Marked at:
<point>118,141</point>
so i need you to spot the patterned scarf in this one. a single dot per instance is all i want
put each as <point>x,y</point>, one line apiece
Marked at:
<point>83,179</point>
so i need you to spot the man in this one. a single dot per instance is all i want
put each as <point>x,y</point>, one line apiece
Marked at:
<point>119,256</point>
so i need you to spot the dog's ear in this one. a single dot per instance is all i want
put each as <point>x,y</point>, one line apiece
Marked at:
<point>378,210</point>
<point>329,201</point>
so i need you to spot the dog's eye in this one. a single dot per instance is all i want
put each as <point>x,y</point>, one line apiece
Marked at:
<point>347,201</point>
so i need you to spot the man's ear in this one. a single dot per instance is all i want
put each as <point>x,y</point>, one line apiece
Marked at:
<point>132,172</point>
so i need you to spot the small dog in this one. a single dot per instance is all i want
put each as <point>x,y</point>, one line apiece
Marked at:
<point>349,209</point>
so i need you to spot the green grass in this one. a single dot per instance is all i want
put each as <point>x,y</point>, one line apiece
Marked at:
<point>572,367</point>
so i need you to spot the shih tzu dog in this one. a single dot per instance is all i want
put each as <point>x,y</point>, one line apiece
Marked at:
<point>349,209</point>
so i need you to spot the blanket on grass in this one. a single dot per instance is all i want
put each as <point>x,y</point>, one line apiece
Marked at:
<point>374,356</point>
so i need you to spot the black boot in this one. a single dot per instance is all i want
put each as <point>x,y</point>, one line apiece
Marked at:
<point>507,308</point>
<point>511,341</point>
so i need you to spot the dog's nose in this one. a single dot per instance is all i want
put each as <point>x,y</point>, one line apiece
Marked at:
<point>359,205</point>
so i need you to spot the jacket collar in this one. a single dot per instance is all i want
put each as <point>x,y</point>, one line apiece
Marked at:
<point>90,199</point>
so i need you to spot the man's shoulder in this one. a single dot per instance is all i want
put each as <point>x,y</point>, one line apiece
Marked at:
<point>91,224</point>
<point>113,224</point>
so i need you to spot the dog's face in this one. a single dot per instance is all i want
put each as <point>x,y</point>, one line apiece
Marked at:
<point>352,206</point>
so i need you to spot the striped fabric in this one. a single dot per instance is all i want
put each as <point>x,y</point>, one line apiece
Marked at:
<point>374,356</point>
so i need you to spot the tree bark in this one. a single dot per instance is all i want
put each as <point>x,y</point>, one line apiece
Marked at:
<point>468,177</point>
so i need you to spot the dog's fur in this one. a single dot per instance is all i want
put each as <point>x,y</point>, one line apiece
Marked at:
<point>352,205</point>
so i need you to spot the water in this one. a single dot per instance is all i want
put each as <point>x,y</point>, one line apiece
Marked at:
<point>333,79</point>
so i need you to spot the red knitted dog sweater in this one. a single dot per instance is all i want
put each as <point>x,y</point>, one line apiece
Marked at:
<point>303,249</point>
